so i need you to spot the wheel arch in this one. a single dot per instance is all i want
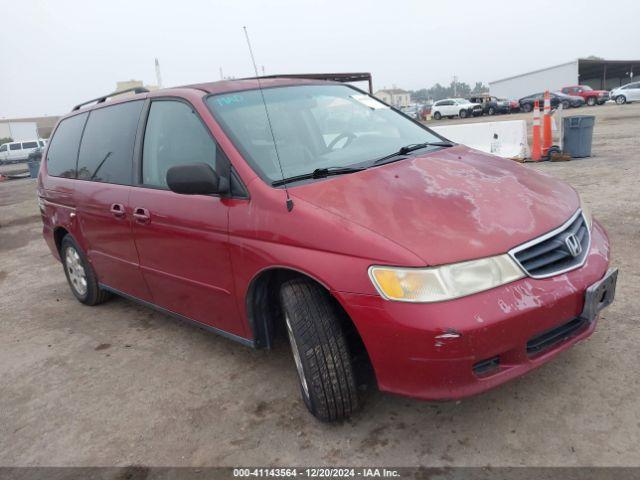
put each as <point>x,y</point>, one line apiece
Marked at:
<point>58,234</point>
<point>265,315</point>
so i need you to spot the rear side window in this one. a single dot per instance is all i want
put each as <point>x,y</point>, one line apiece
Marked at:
<point>63,150</point>
<point>174,136</point>
<point>29,144</point>
<point>107,144</point>
<point>15,146</point>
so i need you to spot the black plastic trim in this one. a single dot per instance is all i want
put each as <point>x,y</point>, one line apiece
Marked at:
<point>244,341</point>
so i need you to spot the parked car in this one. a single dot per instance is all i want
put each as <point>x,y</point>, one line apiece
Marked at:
<point>455,107</point>
<point>368,239</point>
<point>15,152</point>
<point>556,98</point>
<point>491,105</point>
<point>591,96</point>
<point>411,110</point>
<point>425,110</point>
<point>626,93</point>
<point>514,105</point>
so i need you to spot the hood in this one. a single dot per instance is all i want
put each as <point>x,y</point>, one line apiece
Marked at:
<point>447,206</point>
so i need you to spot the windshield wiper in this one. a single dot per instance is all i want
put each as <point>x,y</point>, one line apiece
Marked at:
<point>410,148</point>
<point>318,173</point>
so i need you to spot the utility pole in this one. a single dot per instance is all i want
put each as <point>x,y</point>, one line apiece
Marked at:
<point>158,76</point>
<point>221,75</point>
<point>455,86</point>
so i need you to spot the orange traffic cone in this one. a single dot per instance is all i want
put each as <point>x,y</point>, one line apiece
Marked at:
<point>546,124</point>
<point>536,153</point>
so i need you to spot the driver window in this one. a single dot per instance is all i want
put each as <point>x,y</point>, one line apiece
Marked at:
<point>174,135</point>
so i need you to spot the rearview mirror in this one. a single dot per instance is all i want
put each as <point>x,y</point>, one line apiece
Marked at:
<point>196,179</point>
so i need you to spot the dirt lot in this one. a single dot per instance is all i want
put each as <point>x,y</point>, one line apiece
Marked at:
<point>120,384</point>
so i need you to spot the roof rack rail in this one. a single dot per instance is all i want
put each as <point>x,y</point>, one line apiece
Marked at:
<point>104,98</point>
<point>335,77</point>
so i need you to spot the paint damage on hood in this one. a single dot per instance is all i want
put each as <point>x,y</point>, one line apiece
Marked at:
<point>451,205</point>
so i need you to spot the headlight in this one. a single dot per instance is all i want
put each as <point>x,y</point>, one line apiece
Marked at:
<point>446,282</point>
<point>586,211</point>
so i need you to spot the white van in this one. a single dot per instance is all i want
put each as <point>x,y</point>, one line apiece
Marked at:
<point>14,152</point>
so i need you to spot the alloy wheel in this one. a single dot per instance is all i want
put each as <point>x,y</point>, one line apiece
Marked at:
<point>75,269</point>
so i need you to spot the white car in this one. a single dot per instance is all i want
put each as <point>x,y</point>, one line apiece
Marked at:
<point>455,107</point>
<point>14,152</point>
<point>626,93</point>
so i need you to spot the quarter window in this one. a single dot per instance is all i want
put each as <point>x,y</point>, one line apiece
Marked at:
<point>63,150</point>
<point>106,152</point>
<point>174,136</point>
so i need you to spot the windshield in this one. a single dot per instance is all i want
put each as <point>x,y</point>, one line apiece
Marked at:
<point>587,88</point>
<point>315,127</point>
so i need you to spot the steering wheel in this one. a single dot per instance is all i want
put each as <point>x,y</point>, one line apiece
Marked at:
<point>348,135</point>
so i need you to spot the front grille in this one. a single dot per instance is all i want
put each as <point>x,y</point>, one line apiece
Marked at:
<point>556,252</point>
<point>548,339</point>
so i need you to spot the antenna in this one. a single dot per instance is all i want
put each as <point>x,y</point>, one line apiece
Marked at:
<point>158,76</point>
<point>266,111</point>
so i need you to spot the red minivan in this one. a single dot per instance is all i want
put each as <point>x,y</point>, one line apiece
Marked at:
<point>254,207</point>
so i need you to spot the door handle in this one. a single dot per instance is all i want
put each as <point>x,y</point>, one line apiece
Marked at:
<point>117,209</point>
<point>141,215</point>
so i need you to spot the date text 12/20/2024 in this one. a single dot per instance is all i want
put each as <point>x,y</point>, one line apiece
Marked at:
<point>317,472</point>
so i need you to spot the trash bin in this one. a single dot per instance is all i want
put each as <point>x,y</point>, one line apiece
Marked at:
<point>578,134</point>
<point>34,167</point>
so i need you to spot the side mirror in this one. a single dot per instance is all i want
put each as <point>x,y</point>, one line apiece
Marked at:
<point>196,179</point>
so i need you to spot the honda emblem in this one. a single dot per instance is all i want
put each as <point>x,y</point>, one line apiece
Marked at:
<point>573,245</point>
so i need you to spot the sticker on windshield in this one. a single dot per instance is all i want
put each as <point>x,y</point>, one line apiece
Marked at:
<point>370,102</point>
<point>229,100</point>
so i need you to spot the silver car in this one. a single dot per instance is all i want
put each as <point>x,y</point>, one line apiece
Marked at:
<point>626,93</point>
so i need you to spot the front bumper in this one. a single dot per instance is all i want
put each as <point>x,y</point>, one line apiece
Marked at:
<point>448,350</point>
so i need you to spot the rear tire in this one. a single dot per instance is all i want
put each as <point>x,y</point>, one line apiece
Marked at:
<point>437,116</point>
<point>591,101</point>
<point>621,99</point>
<point>463,114</point>
<point>80,275</point>
<point>565,104</point>
<point>526,107</point>
<point>320,351</point>
<point>492,111</point>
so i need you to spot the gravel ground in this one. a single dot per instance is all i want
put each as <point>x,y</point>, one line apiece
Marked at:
<point>120,384</point>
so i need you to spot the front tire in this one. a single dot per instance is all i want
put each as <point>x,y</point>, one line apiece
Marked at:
<point>463,114</point>
<point>320,351</point>
<point>591,101</point>
<point>527,107</point>
<point>80,275</point>
<point>621,99</point>
<point>492,111</point>
<point>565,104</point>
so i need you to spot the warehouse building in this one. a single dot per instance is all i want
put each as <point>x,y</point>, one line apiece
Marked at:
<point>599,74</point>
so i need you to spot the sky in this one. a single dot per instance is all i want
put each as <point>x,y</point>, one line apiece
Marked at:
<point>54,54</point>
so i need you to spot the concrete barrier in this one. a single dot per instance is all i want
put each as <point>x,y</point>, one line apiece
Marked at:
<point>506,139</point>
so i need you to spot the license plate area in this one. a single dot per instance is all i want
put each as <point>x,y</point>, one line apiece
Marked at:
<point>600,295</point>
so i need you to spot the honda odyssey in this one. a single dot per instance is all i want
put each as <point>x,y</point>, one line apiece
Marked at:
<point>312,209</point>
